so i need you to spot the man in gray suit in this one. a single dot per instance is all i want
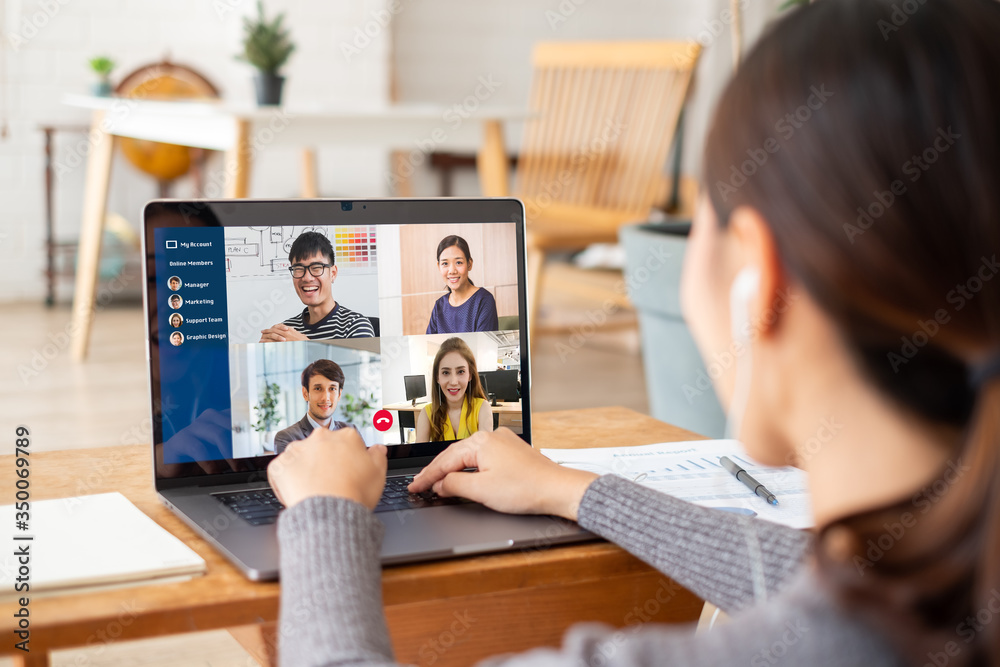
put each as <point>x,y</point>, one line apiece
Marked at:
<point>322,387</point>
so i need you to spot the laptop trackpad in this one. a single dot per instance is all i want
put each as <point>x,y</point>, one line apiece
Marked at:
<point>461,530</point>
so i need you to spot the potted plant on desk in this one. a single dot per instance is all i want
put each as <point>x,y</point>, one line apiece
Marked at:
<point>267,415</point>
<point>358,411</point>
<point>266,46</point>
<point>102,66</point>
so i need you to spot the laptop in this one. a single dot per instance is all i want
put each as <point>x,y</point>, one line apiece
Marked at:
<point>226,399</point>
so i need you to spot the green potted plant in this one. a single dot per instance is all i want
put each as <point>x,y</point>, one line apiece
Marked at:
<point>358,411</point>
<point>267,414</point>
<point>356,407</point>
<point>102,66</point>
<point>266,46</point>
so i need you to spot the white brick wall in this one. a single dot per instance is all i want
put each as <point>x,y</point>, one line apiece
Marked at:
<point>204,34</point>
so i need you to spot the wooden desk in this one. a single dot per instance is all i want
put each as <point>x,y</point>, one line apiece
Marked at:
<point>518,600</point>
<point>242,132</point>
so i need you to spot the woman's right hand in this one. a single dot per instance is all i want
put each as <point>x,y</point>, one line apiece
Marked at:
<point>513,477</point>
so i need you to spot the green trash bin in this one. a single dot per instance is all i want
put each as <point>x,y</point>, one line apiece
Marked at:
<point>678,385</point>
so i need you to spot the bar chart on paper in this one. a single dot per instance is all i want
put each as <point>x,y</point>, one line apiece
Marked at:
<point>691,471</point>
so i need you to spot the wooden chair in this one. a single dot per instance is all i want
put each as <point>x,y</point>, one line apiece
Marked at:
<point>595,147</point>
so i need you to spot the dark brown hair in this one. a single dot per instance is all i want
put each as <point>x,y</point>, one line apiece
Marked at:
<point>867,133</point>
<point>328,369</point>
<point>439,408</point>
<point>461,244</point>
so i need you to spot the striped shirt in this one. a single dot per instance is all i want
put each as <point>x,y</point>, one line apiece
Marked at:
<point>341,322</point>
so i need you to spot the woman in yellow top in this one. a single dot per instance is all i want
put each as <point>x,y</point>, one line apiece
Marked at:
<point>458,397</point>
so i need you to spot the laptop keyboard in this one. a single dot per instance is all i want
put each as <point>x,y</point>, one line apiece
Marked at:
<point>258,506</point>
<point>395,497</point>
<point>261,507</point>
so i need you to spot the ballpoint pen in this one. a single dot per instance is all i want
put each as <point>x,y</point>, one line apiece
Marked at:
<point>752,484</point>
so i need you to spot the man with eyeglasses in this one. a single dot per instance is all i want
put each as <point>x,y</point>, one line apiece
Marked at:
<point>313,272</point>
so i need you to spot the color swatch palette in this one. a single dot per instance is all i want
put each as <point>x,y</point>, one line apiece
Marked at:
<point>355,247</point>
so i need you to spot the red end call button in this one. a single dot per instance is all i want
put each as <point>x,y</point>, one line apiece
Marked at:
<point>383,420</point>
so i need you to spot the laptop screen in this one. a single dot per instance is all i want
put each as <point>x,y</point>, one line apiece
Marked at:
<point>270,319</point>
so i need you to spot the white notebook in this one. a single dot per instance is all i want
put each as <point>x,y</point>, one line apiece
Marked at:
<point>88,542</point>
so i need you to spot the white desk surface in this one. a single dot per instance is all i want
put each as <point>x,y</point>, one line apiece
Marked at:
<point>213,124</point>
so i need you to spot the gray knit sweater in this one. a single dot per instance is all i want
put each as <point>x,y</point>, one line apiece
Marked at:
<point>331,594</point>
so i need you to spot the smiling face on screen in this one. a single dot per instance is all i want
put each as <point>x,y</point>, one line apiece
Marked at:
<point>316,291</point>
<point>454,267</point>
<point>322,395</point>
<point>453,377</point>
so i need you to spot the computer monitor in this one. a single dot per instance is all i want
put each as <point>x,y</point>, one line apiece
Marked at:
<point>503,384</point>
<point>416,387</point>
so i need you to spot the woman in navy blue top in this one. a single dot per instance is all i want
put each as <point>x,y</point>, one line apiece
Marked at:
<point>465,307</point>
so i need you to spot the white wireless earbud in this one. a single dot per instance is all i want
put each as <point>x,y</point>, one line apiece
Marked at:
<point>744,286</point>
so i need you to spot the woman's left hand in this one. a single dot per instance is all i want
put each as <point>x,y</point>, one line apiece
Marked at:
<point>329,463</point>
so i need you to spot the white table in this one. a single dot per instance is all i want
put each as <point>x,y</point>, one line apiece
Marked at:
<point>239,131</point>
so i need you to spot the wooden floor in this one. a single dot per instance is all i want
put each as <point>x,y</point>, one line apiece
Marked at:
<point>102,402</point>
<point>105,402</point>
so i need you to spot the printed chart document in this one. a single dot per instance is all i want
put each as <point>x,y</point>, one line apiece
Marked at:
<point>88,542</point>
<point>691,471</point>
